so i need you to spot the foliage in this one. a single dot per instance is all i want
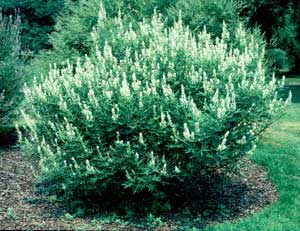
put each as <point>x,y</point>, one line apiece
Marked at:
<point>71,37</point>
<point>10,71</point>
<point>38,18</point>
<point>280,21</point>
<point>74,26</point>
<point>279,59</point>
<point>153,109</point>
<point>208,13</point>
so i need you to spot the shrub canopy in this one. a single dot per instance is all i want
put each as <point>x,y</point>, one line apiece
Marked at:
<point>151,108</point>
<point>71,36</point>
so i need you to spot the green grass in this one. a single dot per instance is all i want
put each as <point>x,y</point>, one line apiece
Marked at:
<point>279,151</point>
<point>292,80</point>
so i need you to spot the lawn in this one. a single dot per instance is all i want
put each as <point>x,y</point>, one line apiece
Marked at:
<point>279,151</point>
<point>293,80</point>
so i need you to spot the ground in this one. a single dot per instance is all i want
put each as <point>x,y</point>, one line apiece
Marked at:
<point>22,208</point>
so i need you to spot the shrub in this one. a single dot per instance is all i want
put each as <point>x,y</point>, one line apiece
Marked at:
<point>279,59</point>
<point>73,28</point>
<point>71,37</point>
<point>72,33</point>
<point>171,108</point>
<point>10,81</point>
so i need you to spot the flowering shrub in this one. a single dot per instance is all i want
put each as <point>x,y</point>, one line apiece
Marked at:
<point>153,108</point>
<point>71,36</point>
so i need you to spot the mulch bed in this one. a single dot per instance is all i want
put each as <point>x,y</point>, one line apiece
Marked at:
<point>21,208</point>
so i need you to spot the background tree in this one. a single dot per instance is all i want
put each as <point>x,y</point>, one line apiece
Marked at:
<point>279,20</point>
<point>10,71</point>
<point>38,18</point>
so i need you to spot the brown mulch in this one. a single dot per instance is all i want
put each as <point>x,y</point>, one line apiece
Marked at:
<point>247,193</point>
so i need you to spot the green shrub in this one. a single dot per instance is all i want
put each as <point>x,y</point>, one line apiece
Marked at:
<point>280,59</point>
<point>71,37</point>
<point>72,33</point>
<point>167,109</point>
<point>10,72</point>
<point>73,28</point>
